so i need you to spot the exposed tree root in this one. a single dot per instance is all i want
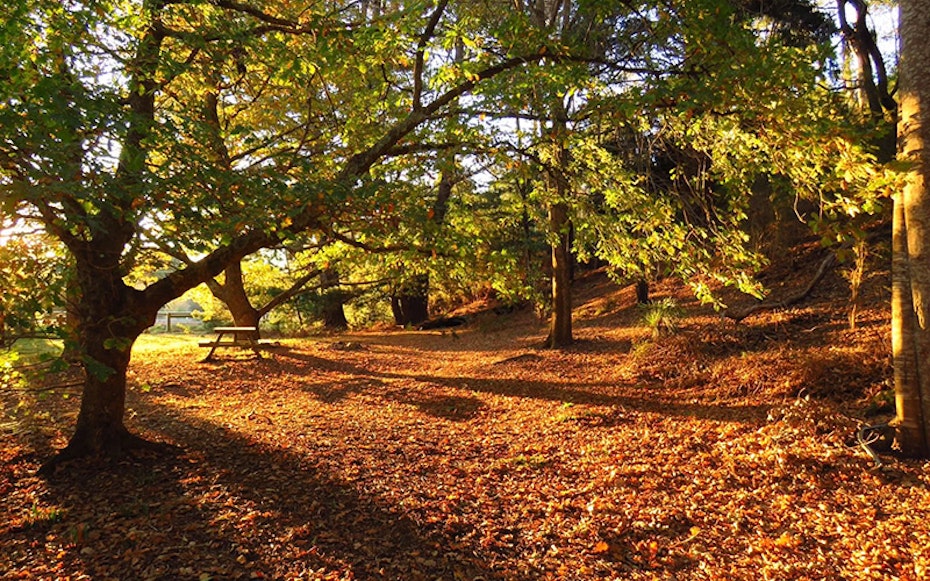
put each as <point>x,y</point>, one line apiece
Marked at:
<point>825,266</point>
<point>121,445</point>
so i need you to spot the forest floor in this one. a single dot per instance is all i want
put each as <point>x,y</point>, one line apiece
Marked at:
<point>716,451</point>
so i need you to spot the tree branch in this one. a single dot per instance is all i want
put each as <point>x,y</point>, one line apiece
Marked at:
<point>291,292</point>
<point>792,299</point>
<point>428,33</point>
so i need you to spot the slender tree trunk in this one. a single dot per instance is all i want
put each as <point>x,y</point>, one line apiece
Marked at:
<point>560,229</point>
<point>911,262</point>
<point>560,329</point>
<point>642,291</point>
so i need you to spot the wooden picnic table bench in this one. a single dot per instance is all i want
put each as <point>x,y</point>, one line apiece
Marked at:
<point>242,337</point>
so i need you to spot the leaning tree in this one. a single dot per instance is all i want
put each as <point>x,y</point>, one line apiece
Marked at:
<point>107,112</point>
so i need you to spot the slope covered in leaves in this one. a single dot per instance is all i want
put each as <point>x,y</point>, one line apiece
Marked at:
<point>475,455</point>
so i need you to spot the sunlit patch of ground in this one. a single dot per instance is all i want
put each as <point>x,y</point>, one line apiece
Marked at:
<point>476,455</point>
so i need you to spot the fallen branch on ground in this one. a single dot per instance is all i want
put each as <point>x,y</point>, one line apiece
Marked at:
<point>824,268</point>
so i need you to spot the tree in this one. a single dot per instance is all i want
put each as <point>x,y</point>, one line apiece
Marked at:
<point>233,294</point>
<point>911,224</point>
<point>655,67</point>
<point>119,89</point>
<point>333,300</point>
<point>873,76</point>
<point>32,266</point>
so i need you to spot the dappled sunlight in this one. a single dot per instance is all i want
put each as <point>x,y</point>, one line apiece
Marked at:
<point>336,458</point>
<point>155,344</point>
<point>406,455</point>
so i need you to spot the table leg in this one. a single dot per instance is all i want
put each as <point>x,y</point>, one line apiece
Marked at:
<point>253,345</point>
<point>216,344</point>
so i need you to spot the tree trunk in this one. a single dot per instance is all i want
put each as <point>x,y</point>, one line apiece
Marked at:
<point>232,294</point>
<point>71,353</point>
<point>642,292</point>
<point>100,429</point>
<point>334,315</point>
<point>110,317</point>
<point>560,329</point>
<point>560,231</point>
<point>410,301</point>
<point>911,262</point>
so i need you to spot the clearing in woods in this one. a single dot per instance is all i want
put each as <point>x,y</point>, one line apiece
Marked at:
<point>717,451</point>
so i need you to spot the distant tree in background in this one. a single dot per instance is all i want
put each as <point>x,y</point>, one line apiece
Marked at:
<point>35,275</point>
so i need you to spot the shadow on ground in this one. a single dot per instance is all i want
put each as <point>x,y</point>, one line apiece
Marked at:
<point>229,508</point>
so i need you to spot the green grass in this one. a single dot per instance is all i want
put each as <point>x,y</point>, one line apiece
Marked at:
<point>152,343</point>
<point>28,351</point>
<point>662,316</point>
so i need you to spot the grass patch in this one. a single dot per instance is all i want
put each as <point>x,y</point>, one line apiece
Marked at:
<point>38,515</point>
<point>662,317</point>
<point>29,351</point>
<point>148,343</point>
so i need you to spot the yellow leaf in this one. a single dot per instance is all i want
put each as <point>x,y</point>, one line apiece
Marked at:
<point>786,540</point>
<point>601,547</point>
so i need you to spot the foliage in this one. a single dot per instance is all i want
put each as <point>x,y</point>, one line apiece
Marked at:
<point>235,148</point>
<point>9,376</point>
<point>662,316</point>
<point>35,275</point>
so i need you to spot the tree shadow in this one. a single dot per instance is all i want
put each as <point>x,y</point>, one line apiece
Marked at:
<point>378,383</point>
<point>469,338</point>
<point>233,508</point>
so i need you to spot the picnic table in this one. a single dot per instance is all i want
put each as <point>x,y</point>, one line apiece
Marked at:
<point>241,338</point>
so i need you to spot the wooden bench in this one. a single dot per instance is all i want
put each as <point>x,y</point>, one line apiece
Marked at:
<point>242,338</point>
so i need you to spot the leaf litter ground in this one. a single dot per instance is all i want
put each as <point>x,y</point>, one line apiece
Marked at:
<point>716,452</point>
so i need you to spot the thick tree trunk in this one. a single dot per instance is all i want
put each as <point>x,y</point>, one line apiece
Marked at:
<point>334,315</point>
<point>100,429</point>
<point>110,317</point>
<point>911,262</point>
<point>236,299</point>
<point>232,294</point>
<point>410,301</point>
<point>71,352</point>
